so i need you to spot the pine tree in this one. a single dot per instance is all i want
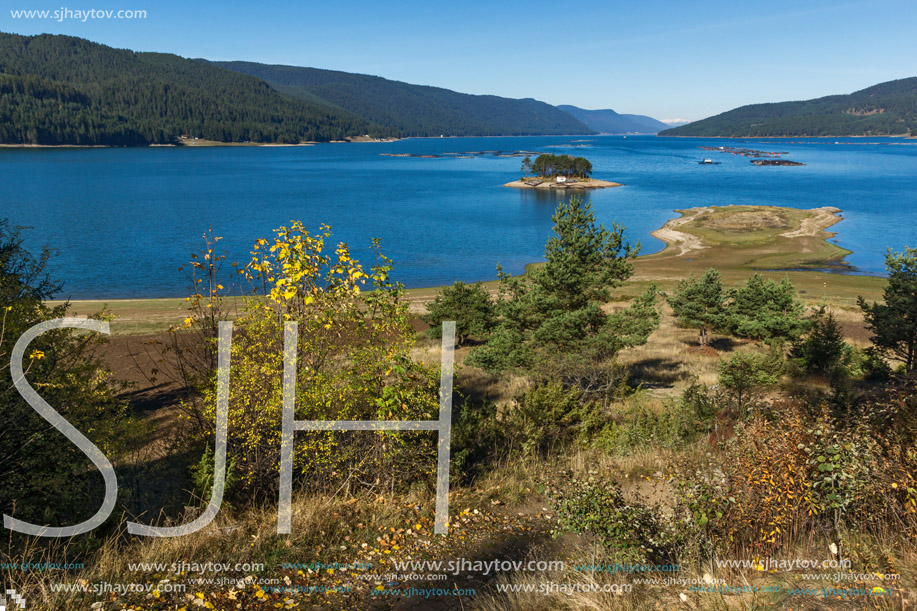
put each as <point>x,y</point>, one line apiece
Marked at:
<point>554,313</point>
<point>469,305</point>
<point>894,323</point>
<point>823,350</point>
<point>700,304</point>
<point>764,310</point>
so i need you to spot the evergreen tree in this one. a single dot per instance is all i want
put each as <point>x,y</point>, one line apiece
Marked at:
<point>823,350</point>
<point>700,303</point>
<point>44,478</point>
<point>765,310</point>
<point>746,372</point>
<point>469,305</point>
<point>894,323</point>
<point>554,312</point>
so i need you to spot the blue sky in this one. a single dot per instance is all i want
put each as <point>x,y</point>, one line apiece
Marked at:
<point>670,60</point>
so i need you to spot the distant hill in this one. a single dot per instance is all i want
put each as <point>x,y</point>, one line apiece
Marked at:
<point>66,90</point>
<point>610,122</point>
<point>414,110</point>
<point>887,109</point>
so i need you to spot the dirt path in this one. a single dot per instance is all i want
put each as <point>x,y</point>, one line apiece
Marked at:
<point>822,218</point>
<point>675,239</point>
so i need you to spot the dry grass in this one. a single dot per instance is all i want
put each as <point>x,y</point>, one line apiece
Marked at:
<point>233,537</point>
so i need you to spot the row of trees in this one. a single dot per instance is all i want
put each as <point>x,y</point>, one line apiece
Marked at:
<point>768,311</point>
<point>761,310</point>
<point>547,165</point>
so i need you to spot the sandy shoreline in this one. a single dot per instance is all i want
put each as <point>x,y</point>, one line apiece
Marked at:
<point>192,144</point>
<point>580,186</point>
<point>673,238</point>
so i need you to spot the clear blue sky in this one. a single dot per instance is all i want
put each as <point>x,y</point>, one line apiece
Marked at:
<point>670,60</point>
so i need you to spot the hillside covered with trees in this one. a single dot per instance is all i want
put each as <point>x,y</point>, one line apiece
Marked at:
<point>416,110</point>
<point>65,90</point>
<point>886,109</point>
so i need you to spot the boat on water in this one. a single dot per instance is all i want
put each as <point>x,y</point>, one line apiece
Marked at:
<point>706,161</point>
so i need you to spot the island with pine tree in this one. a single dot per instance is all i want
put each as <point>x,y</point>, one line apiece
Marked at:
<point>558,172</point>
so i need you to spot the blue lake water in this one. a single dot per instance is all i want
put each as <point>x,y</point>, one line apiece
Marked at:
<point>123,220</point>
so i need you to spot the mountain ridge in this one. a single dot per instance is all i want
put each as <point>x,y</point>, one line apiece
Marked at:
<point>885,109</point>
<point>415,110</point>
<point>607,121</point>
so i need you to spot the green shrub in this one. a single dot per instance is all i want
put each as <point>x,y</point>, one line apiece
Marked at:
<point>544,417</point>
<point>44,478</point>
<point>823,350</point>
<point>469,305</point>
<point>869,365</point>
<point>478,439</point>
<point>633,426</point>
<point>747,372</point>
<point>702,404</point>
<point>600,509</point>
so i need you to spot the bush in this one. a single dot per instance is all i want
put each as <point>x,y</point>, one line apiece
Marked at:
<point>802,470</point>
<point>478,439</point>
<point>869,365</point>
<point>600,509</point>
<point>746,372</point>
<point>702,404</point>
<point>544,417</point>
<point>633,426</point>
<point>469,305</point>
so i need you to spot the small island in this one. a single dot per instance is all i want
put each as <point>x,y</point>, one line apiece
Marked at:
<point>558,172</point>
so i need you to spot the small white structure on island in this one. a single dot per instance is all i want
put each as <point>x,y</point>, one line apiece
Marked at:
<point>561,179</point>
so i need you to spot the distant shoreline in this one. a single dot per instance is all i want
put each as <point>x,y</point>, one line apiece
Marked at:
<point>904,136</point>
<point>188,143</point>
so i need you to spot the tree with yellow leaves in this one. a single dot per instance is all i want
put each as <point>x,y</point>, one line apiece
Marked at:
<point>353,364</point>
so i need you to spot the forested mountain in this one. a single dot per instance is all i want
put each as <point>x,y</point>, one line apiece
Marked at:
<point>65,90</point>
<point>609,122</point>
<point>885,109</point>
<point>415,110</point>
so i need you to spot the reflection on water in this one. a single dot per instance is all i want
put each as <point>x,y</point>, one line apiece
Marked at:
<point>549,197</point>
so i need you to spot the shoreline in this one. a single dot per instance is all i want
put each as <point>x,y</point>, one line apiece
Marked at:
<point>677,244</point>
<point>196,144</point>
<point>903,136</point>
<point>361,140</point>
<point>546,185</point>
